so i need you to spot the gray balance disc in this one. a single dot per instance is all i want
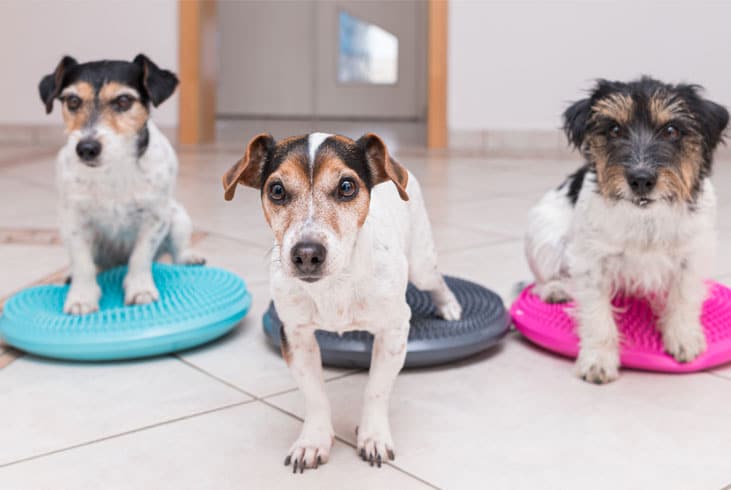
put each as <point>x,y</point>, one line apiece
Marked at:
<point>432,340</point>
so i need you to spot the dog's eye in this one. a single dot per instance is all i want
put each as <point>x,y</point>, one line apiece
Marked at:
<point>670,133</point>
<point>615,131</point>
<point>347,189</point>
<point>122,103</point>
<point>276,192</point>
<point>73,102</point>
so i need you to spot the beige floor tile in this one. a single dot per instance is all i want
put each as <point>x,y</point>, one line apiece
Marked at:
<point>47,405</point>
<point>498,267</point>
<point>240,447</point>
<point>506,216</point>
<point>29,205</point>
<point>251,262</point>
<point>519,419</point>
<point>245,359</point>
<point>21,265</point>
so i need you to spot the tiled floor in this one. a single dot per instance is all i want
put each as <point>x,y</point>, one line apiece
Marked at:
<point>224,415</point>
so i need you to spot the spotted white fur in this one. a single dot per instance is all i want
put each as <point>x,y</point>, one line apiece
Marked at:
<point>121,211</point>
<point>365,291</point>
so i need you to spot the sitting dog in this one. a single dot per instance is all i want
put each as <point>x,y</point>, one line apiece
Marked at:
<point>345,248</point>
<point>637,218</point>
<point>116,175</point>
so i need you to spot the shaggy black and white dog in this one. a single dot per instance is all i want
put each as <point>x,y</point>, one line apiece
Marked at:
<point>639,217</point>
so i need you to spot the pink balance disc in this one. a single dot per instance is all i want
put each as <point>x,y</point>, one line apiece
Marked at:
<point>552,327</point>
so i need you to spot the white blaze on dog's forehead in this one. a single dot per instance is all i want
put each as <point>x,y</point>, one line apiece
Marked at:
<point>313,143</point>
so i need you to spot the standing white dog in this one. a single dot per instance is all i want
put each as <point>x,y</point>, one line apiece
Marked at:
<point>345,249</point>
<point>116,176</point>
<point>638,217</point>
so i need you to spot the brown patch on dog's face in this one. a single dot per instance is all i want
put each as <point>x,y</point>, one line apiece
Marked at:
<point>294,179</point>
<point>618,107</point>
<point>306,203</point>
<point>121,109</point>
<point>78,105</point>
<point>647,141</point>
<point>116,106</point>
<point>336,209</point>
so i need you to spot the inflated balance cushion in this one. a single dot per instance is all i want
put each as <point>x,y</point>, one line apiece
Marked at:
<point>432,340</point>
<point>196,305</point>
<point>552,327</point>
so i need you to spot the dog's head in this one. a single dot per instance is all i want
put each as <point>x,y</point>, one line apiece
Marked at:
<point>315,191</point>
<point>648,141</point>
<point>106,104</point>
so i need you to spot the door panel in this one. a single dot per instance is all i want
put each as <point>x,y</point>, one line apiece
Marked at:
<point>404,99</point>
<point>266,52</point>
<point>281,58</point>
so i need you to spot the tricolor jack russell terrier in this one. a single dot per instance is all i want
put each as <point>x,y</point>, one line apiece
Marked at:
<point>116,175</point>
<point>639,217</point>
<point>345,248</point>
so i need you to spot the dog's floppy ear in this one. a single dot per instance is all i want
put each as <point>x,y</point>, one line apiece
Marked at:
<point>159,84</point>
<point>248,170</point>
<point>714,120</point>
<point>575,119</point>
<point>381,165</point>
<point>52,84</point>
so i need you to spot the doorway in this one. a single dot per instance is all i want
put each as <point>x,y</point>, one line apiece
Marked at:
<point>332,64</point>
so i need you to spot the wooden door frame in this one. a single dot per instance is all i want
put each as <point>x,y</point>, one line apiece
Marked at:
<point>198,57</point>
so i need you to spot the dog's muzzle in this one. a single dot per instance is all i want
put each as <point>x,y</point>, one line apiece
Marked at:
<point>308,259</point>
<point>89,150</point>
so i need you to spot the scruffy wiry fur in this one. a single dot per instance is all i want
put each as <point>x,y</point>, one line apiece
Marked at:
<point>639,217</point>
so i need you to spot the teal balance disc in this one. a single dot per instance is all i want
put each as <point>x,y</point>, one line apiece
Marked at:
<point>196,305</point>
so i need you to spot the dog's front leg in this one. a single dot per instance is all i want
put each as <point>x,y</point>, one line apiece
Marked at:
<point>598,360</point>
<point>374,433</point>
<point>139,287</point>
<point>84,292</point>
<point>680,325</point>
<point>302,353</point>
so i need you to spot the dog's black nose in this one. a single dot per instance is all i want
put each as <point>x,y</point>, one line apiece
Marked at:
<point>88,149</point>
<point>308,257</point>
<point>641,180</point>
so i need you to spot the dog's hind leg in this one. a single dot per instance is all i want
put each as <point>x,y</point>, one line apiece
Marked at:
<point>177,242</point>
<point>423,269</point>
<point>545,246</point>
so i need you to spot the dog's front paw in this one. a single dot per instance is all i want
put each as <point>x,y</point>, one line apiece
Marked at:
<point>82,299</point>
<point>189,257</point>
<point>598,366</point>
<point>310,450</point>
<point>140,290</point>
<point>684,342</point>
<point>374,443</point>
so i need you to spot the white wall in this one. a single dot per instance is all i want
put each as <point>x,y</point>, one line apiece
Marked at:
<point>516,65</point>
<point>34,35</point>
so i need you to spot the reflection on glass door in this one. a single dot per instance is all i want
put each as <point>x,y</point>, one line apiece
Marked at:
<point>368,53</point>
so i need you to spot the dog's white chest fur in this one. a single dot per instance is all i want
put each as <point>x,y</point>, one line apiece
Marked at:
<point>640,249</point>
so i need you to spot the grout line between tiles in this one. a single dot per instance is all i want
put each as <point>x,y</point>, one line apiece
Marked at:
<point>125,433</point>
<point>348,443</point>
<point>265,400</point>
<point>240,240</point>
